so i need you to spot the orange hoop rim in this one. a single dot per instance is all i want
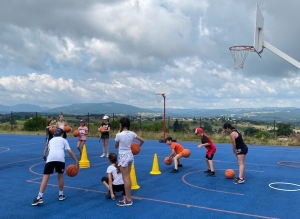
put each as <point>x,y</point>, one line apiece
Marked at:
<point>241,48</point>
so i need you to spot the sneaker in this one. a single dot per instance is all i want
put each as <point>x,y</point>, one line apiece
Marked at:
<point>107,155</point>
<point>124,202</point>
<point>61,197</point>
<point>239,181</point>
<point>37,200</point>
<point>103,155</point>
<point>212,174</point>
<point>180,165</point>
<point>108,195</point>
<point>207,171</point>
<point>174,171</point>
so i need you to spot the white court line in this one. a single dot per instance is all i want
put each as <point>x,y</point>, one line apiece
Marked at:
<point>284,183</point>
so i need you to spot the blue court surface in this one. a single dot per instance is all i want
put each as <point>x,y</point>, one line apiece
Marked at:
<point>187,194</point>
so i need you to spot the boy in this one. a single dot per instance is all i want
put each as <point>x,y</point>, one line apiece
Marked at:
<point>210,150</point>
<point>55,160</point>
<point>176,153</point>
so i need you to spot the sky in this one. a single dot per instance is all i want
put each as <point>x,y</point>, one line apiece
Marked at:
<point>60,52</point>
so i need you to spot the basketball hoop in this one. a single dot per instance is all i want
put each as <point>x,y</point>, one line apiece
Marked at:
<point>158,98</point>
<point>239,55</point>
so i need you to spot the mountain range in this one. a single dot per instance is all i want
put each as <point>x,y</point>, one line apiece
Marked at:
<point>287,114</point>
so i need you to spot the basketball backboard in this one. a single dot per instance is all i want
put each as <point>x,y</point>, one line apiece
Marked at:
<point>259,31</point>
<point>163,89</point>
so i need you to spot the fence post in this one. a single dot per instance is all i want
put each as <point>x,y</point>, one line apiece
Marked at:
<point>88,120</point>
<point>11,120</point>
<point>113,127</point>
<point>36,121</point>
<point>274,129</point>
<point>140,122</point>
<point>200,122</point>
<point>168,124</point>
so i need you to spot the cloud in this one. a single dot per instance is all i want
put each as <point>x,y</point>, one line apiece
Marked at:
<point>63,52</point>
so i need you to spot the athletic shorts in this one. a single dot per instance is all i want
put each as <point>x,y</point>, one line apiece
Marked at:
<point>57,165</point>
<point>104,136</point>
<point>83,141</point>
<point>125,159</point>
<point>116,188</point>
<point>209,156</point>
<point>242,151</point>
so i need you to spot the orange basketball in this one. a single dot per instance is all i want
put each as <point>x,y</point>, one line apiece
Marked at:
<point>76,133</point>
<point>52,130</point>
<point>72,170</point>
<point>168,161</point>
<point>67,128</point>
<point>102,128</point>
<point>135,148</point>
<point>186,153</point>
<point>229,173</point>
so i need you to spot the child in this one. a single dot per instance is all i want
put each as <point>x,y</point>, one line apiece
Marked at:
<point>105,135</point>
<point>61,124</point>
<point>49,136</point>
<point>240,150</point>
<point>55,160</point>
<point>210,150</point>
<point>176,153</point>
<point>114,180</point>
<point>83,131</point>
<point>125,157</point>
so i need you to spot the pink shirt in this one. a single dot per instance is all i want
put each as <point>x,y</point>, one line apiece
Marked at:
<point>82,130</point>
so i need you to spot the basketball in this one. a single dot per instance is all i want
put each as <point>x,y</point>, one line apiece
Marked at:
<point>186,153</point>
<point>67,128</point>
<point>52,130</point>
<point>76,133</point>
<point>102,128</point>
<point>168,161</point>
<point>135,148</point>
<point>71,170</point>
<point>229,173</point>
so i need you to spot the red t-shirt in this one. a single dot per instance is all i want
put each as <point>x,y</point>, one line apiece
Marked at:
<point>177,147</point>
<point>211,148</point>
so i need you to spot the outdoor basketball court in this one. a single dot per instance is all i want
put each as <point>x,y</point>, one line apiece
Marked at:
<point>187,194</point>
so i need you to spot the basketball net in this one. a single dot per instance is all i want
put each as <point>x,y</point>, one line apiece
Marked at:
<point>158,98</point>
<point>239,55</point>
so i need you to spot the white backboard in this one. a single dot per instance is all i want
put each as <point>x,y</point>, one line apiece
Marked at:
<point>259,31</point>
<point>163,89</point>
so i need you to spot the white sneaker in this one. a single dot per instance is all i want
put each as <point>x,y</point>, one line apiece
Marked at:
<point>103,155</point>
<point>107,155</point>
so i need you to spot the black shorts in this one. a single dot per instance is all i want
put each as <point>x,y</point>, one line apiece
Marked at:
<point>209,156</point>
<point>57,165</point>
<point>242,150</point>
<point>104,136</point>
<point>116,188</point>
<point>65,135</point>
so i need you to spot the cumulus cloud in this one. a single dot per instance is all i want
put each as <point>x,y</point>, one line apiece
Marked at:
<point>63,52</point>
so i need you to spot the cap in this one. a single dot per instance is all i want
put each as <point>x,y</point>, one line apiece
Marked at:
<point>105,117</point>
<point>198,130</point>
<point>58,132</point>
<point>82,120</point>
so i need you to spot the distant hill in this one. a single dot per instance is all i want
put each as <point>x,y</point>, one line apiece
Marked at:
<point>22,108</point>
<point>285,114</point>
<point>101,108</point>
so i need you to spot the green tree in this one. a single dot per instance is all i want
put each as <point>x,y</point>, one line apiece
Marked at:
<point>284,129</point>
<point>36,122</point>
<point>251,131</point>
<point>207,128</point>
<point>176,126</point>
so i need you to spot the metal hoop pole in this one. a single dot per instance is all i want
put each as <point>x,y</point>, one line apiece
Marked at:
<point>164,117</point>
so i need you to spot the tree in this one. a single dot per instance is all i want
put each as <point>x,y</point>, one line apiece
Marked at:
<point>284,129</point>
<point>251,131</point>
<point>38,123</point>
<point>176,126</point>
<point>207,127</point>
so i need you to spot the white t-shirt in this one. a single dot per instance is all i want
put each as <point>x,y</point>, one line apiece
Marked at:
<point>118,179</point>
<point>125,139</point>
<point>57,147</point>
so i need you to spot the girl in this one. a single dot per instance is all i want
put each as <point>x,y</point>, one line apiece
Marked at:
<point>114,180</point>
<point>49,135</point>
<point>104,129</point>
<point>240,150</point>
<point>125,157</point>
<point>210,150</point>
<point>176,153</point>
<point>83,131</point>
<point>61,124</point>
